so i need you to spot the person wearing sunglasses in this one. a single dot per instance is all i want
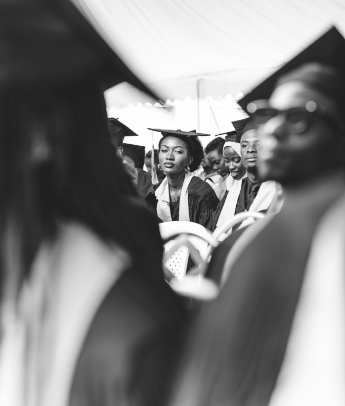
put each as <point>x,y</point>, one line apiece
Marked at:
<point>275,335</point>
<point>300,129</point>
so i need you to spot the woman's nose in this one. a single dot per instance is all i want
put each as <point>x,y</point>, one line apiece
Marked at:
<point>169,155</point>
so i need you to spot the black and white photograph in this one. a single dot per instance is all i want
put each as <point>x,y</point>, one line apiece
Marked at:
<point>172,203</point>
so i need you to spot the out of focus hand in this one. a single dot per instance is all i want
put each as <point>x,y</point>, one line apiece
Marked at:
<point>132,172</point>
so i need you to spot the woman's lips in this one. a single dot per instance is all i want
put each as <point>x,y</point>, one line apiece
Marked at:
<point>169,165</point>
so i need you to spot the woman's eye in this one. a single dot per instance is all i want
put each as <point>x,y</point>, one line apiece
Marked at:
<point>179,151</point>
<point>163,150</point>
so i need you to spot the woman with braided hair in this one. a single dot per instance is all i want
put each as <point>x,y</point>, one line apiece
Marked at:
<point>182,196</point>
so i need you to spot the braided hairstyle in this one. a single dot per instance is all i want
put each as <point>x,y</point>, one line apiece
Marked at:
<point>194,149</point>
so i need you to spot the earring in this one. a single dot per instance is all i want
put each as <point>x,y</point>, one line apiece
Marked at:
<point>159,167</point>
<point>188,169</point>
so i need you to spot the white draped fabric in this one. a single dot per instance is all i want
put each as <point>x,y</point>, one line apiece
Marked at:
<point>163,197</point>
<point>211,47</point>
<point>313,370</point>
<point>70,279</point>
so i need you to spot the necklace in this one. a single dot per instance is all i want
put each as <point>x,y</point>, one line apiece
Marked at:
<point>175,194</point>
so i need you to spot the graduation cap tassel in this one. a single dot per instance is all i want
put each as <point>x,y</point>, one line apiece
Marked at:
<point>154,178</point>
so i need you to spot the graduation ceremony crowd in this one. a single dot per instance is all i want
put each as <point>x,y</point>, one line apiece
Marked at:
<point>89,313</point>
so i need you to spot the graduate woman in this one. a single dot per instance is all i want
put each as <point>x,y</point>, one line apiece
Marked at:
<point>182,196</point>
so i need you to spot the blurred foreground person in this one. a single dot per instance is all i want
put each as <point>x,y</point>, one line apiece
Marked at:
<point>276,333</point>
<point>182,196</point>
<point>85,315</point>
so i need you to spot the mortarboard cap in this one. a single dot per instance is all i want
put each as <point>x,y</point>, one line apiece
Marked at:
<point>251,125</point>
<point>136,153</point>
<point>228,134</point>
<point>329,50</point>
<point>239,126</point>
<point>119,130</point>
<point>179,133</point>
<point>49,43</point>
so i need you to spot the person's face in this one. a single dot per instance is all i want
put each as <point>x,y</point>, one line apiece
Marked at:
<point>218,162</point>
<point>206,166</point>
<point>148,164</point>
<point>173,155</point>
<point>234,163</point>
<point>292,158</point>
<point>249,150</point>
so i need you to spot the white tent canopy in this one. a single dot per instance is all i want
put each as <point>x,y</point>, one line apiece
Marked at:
<point>201,53</point>
<point>197,48</point>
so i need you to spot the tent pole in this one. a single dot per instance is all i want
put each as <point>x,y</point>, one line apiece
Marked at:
<point>214,116</point>
<point>198,100</point>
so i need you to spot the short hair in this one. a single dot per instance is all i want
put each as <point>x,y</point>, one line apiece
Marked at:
<point>215,145</point>
<point>194,149</point>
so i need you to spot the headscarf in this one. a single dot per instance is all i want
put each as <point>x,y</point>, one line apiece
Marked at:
<point>234,145</point>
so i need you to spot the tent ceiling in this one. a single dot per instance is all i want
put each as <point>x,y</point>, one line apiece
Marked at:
<point>230,44</point>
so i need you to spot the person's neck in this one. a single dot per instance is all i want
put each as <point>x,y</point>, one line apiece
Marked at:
<point>175,180</point>
<point>318,187</point>
<point>253,176</point>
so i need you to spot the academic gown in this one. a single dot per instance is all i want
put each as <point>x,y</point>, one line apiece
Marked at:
<point>202,201</point>
<point>260,296</point>
<point>219,256</point>
<point>129,351</point>
<point>218,210</point>
<point>105,324</point>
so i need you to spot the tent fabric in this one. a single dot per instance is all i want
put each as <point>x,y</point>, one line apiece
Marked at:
<point>197,48</point>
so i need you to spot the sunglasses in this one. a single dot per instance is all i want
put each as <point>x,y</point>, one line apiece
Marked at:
<point>297,120</point>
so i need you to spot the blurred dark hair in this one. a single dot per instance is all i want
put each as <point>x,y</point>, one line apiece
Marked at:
<point>215,145</point>
<point>194,148</point>
<point>115,135</point>
<point>57,164</point>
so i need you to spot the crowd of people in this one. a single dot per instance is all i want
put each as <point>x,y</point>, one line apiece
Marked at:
<point>87,316</point>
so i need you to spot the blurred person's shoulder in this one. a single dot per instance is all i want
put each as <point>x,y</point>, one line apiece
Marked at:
<point>130,349</point>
